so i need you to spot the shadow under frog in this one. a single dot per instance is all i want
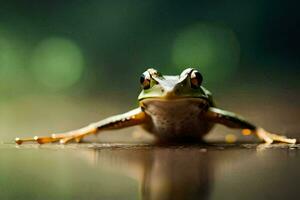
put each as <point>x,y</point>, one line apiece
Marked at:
<point>162,172</point>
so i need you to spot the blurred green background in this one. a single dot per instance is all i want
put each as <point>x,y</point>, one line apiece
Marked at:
<point>65,63</point>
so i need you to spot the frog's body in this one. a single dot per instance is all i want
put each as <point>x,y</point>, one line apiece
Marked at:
<point>171,108</point>
<point>177,119</point>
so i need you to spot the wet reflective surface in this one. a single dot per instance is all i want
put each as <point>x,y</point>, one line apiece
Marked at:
<point>142,171</point>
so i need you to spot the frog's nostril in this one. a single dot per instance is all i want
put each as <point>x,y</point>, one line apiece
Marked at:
<point>162,90</point>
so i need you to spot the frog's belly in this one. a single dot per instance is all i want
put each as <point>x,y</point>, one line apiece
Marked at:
<point>182,118</point>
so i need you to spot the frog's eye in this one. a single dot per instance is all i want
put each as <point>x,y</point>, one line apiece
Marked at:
<point>196,79</point>
<point>145,80</point>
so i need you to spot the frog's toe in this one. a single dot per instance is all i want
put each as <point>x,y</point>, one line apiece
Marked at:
<point>269,138</point>
<point>38,139</point>
<point>66,140</point>
<point>18,141</point>
<point>285,139</point>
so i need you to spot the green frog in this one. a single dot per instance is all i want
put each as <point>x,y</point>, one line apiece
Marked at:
<point>172,108</point>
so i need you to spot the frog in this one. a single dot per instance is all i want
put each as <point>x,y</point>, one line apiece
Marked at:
<point>173,108</point>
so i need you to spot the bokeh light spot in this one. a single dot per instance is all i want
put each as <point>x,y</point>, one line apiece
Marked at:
<point>57,63</point>
<point>246,132</point>
<point>230,138</point>
<point>213,48</point>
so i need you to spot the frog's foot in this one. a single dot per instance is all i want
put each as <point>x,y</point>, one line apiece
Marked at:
<point>63,138</point>
<point>269,138</point>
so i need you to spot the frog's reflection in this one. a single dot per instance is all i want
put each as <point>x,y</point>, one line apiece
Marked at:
<point>164,173</point>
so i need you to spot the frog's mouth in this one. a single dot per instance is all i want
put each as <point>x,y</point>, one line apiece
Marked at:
<point>179,102</point>
<point>172,96</point>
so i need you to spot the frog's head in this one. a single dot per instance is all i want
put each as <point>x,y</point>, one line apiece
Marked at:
<point>185,85</point>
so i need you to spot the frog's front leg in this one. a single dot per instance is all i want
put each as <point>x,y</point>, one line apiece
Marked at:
<point>131,118</point>
<point>232,120</point>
